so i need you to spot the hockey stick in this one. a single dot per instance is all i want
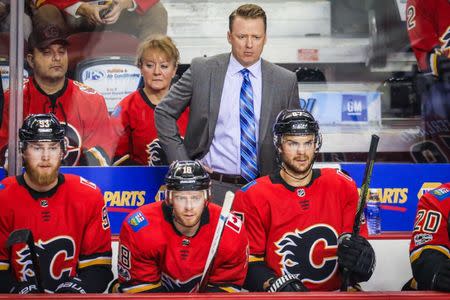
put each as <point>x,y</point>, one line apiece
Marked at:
<point>224,213</point>
<point>25,236</point>
<point>362,199</point>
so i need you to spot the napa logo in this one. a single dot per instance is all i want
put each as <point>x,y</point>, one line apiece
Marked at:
<point>137,221</point>
<point>391,195</point>
<point>426,187</point>
<point>124,198</point>
<point>93,75</point>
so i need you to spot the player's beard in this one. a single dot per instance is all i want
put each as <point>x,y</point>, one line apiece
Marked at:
<point>293,168</point>
<point>40,178</point>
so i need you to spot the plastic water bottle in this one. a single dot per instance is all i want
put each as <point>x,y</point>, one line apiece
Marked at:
<point>373,212</point>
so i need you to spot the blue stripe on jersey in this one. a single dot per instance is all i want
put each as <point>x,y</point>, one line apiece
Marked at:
<point>441,193</point>
<point>248,185</point>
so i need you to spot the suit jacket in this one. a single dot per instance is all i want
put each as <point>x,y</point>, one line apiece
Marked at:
<point>200,88</point>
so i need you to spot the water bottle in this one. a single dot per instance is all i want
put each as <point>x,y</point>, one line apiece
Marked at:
<point>373,212</point>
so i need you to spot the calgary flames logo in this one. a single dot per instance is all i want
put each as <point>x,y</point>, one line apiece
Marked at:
<point>73,142</point>
<point>156,155</point>
<point>310,253</point>
<point>55,258</point>
<point>175,285</point>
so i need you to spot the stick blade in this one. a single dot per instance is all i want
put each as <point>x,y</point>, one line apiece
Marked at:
<point>19,236</point>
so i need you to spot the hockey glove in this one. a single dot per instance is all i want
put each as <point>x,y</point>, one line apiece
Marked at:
<point>357,256</point>
<point>443,68</point>
<point>71,287</point>
<point>25,287</point>
<point>441,279</point>
<point>286,283</point>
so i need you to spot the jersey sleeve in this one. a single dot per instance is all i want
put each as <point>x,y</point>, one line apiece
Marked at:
<point>351,199</point>
<point>429,246</point>
<point>96,244</point>
<point>422,32</point>
<point>4,126</point>
<point>5,230</point>
<point>255,221</point>
<point>138,266</point>
<point>430,226</point>
<point>99,142</point>
<point>230,265</point>
<point>144,5</point>
<point>120,120</point>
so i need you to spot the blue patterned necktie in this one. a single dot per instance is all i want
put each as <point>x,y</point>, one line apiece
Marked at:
<point>249,166</point>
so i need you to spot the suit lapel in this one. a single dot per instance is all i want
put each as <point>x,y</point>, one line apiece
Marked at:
<point>266,106</point>
<point>217,81</point>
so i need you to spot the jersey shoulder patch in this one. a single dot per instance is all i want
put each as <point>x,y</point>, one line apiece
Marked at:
<point>88,183</point>
<point>234,223</point>
<point>441,193</point>
<point>137,221</point>
<point>84,88</point>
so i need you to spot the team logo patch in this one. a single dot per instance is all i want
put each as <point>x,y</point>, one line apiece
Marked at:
<point>56,257</point>
<point>137,221</point>
<point>88,183</point>
<point>310,253</point>
<point>422,238</point>
<point>234,223</point>
<point>44,203</point>
<point>176,285</point>
<point>73,143</point>
<point>156,155</point>
<point>441,193</point>
<point>123,272</point>
<point>301,192</point>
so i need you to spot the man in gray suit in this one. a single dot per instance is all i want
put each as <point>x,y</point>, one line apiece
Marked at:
<point>233,101</point>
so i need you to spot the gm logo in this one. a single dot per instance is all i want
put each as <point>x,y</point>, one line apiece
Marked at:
<point>426,187</point>
<point>354,108</point>
<point>93,75</point>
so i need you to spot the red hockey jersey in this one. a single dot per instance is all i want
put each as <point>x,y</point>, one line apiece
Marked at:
<point>69,223</point>
<point>82,109</point>
<point>296,230</point>
<point>430,227</point>
<point>153,253</point>
<point>134,122</point>
<point>428,23</point>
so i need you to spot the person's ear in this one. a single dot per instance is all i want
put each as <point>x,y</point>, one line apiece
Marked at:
<point>30,60</point>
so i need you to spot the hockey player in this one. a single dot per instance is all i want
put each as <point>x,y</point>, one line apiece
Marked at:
<point>80,108</point>
<point>164,245</point>
<point>65,213</point>
<point>298,218</point>
<point>428,23</point>
<point>430,242</point>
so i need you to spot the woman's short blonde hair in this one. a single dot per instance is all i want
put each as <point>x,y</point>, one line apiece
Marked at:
<point>161,43</point>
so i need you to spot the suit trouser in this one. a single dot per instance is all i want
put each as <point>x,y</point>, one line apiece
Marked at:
<point>219,188</point>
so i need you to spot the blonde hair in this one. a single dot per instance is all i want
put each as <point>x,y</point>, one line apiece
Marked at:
<point>161,43</point>
<point>248,11</point>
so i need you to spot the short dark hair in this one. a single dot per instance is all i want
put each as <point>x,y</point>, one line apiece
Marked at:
<point>248,11</point>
